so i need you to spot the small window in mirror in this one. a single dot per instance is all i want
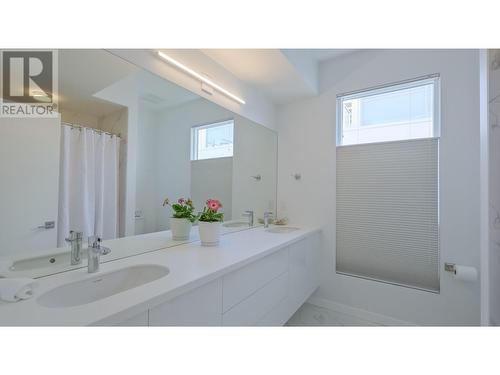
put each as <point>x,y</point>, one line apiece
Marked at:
<point>212,140</point>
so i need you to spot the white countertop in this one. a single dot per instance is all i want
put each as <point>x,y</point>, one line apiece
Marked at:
<point>121,248</point>
<point>190,265</point>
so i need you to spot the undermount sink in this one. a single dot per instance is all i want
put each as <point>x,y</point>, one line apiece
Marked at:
<point>101,286</point>
<point>49,260</point>
<point>282,229</point>
<point>236,224</point>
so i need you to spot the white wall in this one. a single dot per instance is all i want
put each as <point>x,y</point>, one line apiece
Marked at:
<point>494,188</point>
<point>169,167</point>
<point>164,162</point>
<point>29,170</point>
<point>174,157</point>
<point>255,153</point>
<point>307,145</point>
<point>213,178</point>
<point>80,118</point>
<point>147,174</point>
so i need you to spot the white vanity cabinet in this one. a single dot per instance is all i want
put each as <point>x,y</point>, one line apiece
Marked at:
<point>250,311</point>
<point>267,291</point>
<point>199,307</point>
<point>304,268</point>
<point>303,280</point>
<point>240,284</point>
<point>252,291</point>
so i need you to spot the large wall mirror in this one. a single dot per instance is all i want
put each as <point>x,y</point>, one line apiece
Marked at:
<point>124,140</point>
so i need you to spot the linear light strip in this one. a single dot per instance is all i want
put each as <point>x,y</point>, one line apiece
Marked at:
<point>199,76</point>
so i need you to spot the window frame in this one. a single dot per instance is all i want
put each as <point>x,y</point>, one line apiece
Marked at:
<point>194,137</point>
<point>433,79</point>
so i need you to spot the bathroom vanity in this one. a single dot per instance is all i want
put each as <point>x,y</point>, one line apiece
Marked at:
<point>254,277</point>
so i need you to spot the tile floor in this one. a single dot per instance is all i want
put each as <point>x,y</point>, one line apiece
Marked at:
<point>312,315</point>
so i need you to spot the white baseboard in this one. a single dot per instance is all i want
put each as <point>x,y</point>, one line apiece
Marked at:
<point>358,313</point>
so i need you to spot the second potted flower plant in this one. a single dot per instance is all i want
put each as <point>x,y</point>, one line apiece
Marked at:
<point>209,223</point>
<point>182,218</point>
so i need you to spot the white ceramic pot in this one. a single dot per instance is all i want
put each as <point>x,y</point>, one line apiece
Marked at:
<point>209,233</point>
<point>181,229</point>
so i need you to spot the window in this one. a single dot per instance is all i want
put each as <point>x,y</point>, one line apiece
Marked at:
<point>387,193</point>
<point>212,141</point>
<point>403,111</point>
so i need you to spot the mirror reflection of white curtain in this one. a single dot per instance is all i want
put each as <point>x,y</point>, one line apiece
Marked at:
<point>88,184</point>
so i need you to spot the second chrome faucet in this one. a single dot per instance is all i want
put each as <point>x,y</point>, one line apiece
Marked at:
<point>249,214</point>
<point>95,251</point>
<point>267,217</point>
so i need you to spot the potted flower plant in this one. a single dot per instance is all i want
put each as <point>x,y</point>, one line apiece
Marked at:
<point>209,223</point>
<point>182,218</point>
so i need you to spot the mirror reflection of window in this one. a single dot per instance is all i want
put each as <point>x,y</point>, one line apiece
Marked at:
<point>213,140</point>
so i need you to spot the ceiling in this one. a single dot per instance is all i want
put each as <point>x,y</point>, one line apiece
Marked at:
<point>281,75</point>
<point>82,73</point>
<point>320,55</point>
<point>158,93</point>
<point>148,89</point>
<point>85,76</point>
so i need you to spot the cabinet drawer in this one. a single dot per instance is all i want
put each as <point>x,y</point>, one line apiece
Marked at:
<point>252,309</point>
<point>200,307</point>
<point>242,283</point>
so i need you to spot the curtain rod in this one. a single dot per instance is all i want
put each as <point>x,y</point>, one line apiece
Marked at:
<point>99,131</point>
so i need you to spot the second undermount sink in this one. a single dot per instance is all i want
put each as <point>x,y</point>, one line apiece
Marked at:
<point>101,286</point>
<point>43,261</point>
<point>61,259</point>
<point>282,229</point>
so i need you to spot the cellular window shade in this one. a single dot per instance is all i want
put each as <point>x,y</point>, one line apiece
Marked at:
<point>388,212</point>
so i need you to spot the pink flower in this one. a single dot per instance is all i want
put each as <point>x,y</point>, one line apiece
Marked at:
<point>214,204</point>
<point>181,200</point>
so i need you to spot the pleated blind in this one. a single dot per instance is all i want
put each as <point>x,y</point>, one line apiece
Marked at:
<point>388,212</point>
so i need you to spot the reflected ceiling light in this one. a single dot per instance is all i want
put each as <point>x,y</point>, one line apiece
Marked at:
<point>199,76</point>
<point>41,97</point>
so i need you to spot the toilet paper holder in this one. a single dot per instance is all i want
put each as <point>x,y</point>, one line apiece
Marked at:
<point>464,273</point>
<point>450,267</point>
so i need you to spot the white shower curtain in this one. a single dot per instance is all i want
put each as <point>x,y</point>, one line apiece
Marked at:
<point>88,184</point>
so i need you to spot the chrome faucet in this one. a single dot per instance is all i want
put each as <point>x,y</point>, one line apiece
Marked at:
<point>95,251</point>
<point>249,213</point>
<point>75,239</point>
<point>267,216</point>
